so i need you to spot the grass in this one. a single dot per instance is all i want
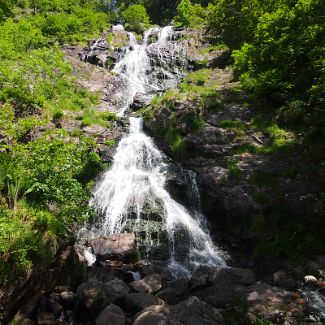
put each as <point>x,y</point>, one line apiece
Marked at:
<point>234,170</point>
<point>93,117</point>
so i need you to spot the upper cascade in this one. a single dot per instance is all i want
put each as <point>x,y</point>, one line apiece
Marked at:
<point>149,67</point>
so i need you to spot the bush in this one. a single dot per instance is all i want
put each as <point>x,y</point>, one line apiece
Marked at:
<point>136,18</point>
<point>190,15</point>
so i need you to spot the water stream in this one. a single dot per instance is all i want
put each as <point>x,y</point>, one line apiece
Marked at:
<point>131,195</point>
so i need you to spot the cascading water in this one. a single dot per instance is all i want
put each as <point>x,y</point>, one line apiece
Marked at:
<point>132,196</point>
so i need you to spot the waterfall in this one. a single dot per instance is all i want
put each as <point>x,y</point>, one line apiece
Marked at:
<point>131,195</point>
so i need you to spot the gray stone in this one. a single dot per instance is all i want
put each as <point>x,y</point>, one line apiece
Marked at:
<point>117,245</point>
<point>284,279</point>
<point>112,314</point>
<point>135,302</point>
<point>97,295</point>
<point>189,312</point>
<point>68,298</point>
<point>150,284</point>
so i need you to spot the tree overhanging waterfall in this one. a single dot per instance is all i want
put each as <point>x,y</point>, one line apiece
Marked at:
<point>131,196</point>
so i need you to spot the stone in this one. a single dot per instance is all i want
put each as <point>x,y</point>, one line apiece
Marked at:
<point>284,279</point>
<point>68,298</point>
<point>189,312</point>
<point>222,294</point>
<point>118,246</point>
<point>150,284</point>
<point>135,302</point>
<point>97,295</point>
<point>94,130</point>
<point>102,274</point>
<point>272,303</point>
<point>139,102</point>
<point>169,296</point>
<point>180,286</point>
<point>118,289</point>
<point>112,314</point>
<point>310,279</point>
<point>45,318</point>
<point>231,275</point>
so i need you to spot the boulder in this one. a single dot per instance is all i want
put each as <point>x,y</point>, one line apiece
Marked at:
<point>68,298</point>
<point>118,289</point>
<point>188,312</point>
<point>112,314</point>
<point>120,246</point>
<point>180,285</point>
<point>139,102</point>
<point>222,294</point>
<point>135,302</point>
<point>284,279</point>
<point>97,295</point>
<point>150,284</point>
<point>231,275</point>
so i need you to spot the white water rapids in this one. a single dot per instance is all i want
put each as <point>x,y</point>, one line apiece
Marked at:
<point>135,183</point>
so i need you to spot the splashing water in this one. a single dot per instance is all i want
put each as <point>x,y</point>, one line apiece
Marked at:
<point>131,195</point>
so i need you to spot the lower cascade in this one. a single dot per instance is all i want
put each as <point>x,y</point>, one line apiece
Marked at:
<point>131,196</point>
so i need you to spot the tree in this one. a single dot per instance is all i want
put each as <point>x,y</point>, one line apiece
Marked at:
<point>136,18</point>
<point>190,15</point>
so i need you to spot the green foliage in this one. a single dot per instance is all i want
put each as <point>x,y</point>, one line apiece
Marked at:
<point>91,117</point>
<point>45,176</point>
<point>234,170</point>
<point>278,49</point>
<point>136,18</point>
<point>190,15</point>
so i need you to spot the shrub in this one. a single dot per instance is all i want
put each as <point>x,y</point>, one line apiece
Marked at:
<point>136,18</point>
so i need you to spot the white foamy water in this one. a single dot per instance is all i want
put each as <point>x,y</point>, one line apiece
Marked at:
<point>135,183</point>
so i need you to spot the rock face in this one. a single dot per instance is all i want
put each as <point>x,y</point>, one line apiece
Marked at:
<point>188,312</point>
<point>118,246</point>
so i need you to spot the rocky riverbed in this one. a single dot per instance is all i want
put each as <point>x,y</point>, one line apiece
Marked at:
<point>123,290</point>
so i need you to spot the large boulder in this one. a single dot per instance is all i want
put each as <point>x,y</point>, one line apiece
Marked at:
<point>117,246</point>
<point>97,295</point>
<point>135,302</point>
<point>188,312</point>
<point>112,314</point>
<point>150,284</point>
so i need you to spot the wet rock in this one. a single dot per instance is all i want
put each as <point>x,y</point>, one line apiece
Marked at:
<point>139,102</point>
<point>97,295</point>
<point>120,246</point>
<point>112,314</point>
<point>150,284</point>
<point>188,312</point>
<point>135,302</point>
